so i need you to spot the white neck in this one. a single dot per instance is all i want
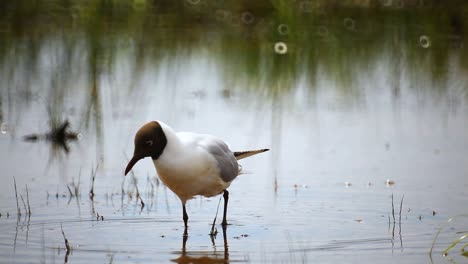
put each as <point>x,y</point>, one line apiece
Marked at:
<point>173,146</point>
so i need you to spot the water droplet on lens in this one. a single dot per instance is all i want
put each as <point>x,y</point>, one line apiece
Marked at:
<point>247,18</point>
<point>283,29</point>
<point>281,48</point>
<point>349,23</point>
<point>386,2</point>
<point>193,2</point>
<point>322,31</point>
<point>306,6</point>
<point>220,15</point>
<point>424,41</point>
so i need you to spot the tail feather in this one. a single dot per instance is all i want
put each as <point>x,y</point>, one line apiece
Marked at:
<point>244,154</point>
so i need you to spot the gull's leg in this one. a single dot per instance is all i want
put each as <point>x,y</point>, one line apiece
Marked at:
<point>226,198</point>
<point>185,217</point>
<point>184,241</point>
<point>226,248</point>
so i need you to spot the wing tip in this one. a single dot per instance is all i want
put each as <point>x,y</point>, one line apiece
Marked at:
<point>244,154</point>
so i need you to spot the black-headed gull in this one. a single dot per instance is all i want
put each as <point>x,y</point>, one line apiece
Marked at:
<point>189,164</point>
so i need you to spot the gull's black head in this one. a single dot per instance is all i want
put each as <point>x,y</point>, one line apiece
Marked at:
<point>150,141</point>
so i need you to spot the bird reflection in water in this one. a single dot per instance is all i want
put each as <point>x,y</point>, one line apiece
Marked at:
<point>203,257</point>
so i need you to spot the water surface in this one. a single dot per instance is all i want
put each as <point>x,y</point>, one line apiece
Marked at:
<point>355,102</point>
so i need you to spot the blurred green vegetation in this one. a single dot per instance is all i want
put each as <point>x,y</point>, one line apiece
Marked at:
<point>336,38</point>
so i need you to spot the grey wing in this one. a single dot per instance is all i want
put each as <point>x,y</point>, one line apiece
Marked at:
<point>227,162</point>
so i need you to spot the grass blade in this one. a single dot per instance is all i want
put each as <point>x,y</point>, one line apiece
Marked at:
<point>454,244</point>
<point>16,194</point>
<point>440,231</point>
<point>401,206</point>
<point>27,198</point>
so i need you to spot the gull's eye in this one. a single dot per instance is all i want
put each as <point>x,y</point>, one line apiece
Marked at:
<point>149,143</point>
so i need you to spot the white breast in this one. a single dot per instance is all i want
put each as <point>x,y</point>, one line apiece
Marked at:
<point>188,170</point>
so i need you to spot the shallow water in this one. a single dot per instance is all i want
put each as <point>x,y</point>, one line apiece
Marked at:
<point>349,121</point>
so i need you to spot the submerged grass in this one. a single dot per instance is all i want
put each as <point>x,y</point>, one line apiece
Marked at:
<point>464,252</point>
<point>393,211</point>
<point>27,198</point>
<point>454,243</point>
<point>16,194</point>
<point>75,192</point>
<point>93,178</point>
<point>401,206</point>
<point>394,219</point>
<point>70,191</point>
<point>26,205</point>
<point>213,231</point>
<point>67,244</point>
<point>134,182</point>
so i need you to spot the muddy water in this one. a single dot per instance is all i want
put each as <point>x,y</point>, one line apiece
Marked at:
<point>353,113</point>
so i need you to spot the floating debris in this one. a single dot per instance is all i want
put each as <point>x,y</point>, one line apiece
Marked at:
<point>99,217</point>
<point>241,236</point>
<point>389,182</point>
<point>300,186</point>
